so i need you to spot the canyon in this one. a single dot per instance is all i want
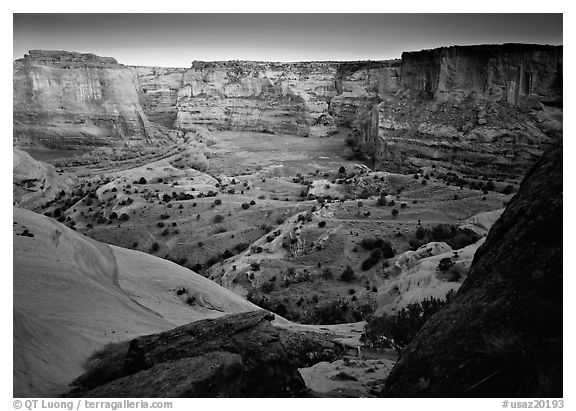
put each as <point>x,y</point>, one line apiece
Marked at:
<point>234,228</point>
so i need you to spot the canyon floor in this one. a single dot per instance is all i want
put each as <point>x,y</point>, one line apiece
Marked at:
<point>277,219</point>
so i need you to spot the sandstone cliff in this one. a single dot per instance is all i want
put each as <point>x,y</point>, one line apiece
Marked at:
<point>488,110</point>
<point>72,100</point>
<point>502,333</point>
<point>67,100</point>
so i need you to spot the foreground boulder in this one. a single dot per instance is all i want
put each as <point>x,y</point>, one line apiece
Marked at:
<point>502,333</point>
<point>240,355</point>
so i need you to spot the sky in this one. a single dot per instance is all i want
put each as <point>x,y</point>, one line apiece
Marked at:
<point>175,40</point>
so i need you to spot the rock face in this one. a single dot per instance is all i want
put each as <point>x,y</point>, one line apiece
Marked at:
<point>72,100</point>
<point>502,333</point>
<point>487,110</point>
<point>510,72</point>
<point>241,355</point>
<point>67,100</point>
<point>308,99</point>
<point>484,110</point>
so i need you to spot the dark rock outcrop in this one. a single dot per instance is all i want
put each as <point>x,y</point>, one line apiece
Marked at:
<point>507,72</point>
<point>502,333</point>
<point>240,355</point>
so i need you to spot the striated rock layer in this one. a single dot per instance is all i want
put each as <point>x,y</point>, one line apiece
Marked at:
<point>72,100</point>
<point>502,333</point>
<point>67,100</point>
<point>488,110</point>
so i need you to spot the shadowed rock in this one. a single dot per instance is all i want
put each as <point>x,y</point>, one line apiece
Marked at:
<point>241,355</point>
<point>502,334</point>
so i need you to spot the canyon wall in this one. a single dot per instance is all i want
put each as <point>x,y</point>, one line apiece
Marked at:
<point>488,110</point>
<point>477,109</point>
<point>73,100</point>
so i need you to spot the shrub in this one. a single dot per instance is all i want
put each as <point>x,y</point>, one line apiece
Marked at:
<point>124,217</point>
<point>381,202</point>
<point>218,218</point>
<point>327,274</point>
<point>255,266</point>
<point>445,264</point>
<point>395,211</point>
<point>399,330</point>
<point>155,247</point>
<point>113,216</point>
<point>142,181</point>
<point>281,310</point>
<point>341,170</point>
<point>348,274</point>
<point>245,206</point>
<point>322,224</point>
<point>267,287</point>
<point>375,256</point>
<point>241,247</point>
<point>377,243</point>
<point>217,201</point>
<point>252,202</point>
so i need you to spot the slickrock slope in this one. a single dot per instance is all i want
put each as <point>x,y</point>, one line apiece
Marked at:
<point>72,295</point>
<point>72,100</point>
<point>488,110</point>
<point>35,182</point>
<point>241,355</point>
<point>502,333</point>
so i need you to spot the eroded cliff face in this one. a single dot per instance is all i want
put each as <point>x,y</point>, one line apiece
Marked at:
<point>488,110</point>
<point>483,110</point>
<point>73,100</point>
<point>308,99</point>
<point>67,100</point>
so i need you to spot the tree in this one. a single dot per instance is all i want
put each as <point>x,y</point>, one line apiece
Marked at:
<point>142,181</point>
<point>395,212</point>
<point>341,170</point>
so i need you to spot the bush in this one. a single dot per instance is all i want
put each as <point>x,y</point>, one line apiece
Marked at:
<point>142,181</point>
<point>281,310</point>
<point>267,288</point>
<point>245,206</point>
<point>384,246</point>
<point>241,247</point>
<point>124,217</point>
<point>322,224</point>
<point>395,211</point>
<point>341,170</point>
<point>217,201</point>
<point>155,247</point>
<point>381,202</point>
<point>327,274</point>
<point>445,264</point>
<point>348,275</point>
<point>399,330</point>
<point>375,256</point>
<point>113,216</point>
<point>255,266</point>
<point>252,202</point>
<point>218,218</point>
